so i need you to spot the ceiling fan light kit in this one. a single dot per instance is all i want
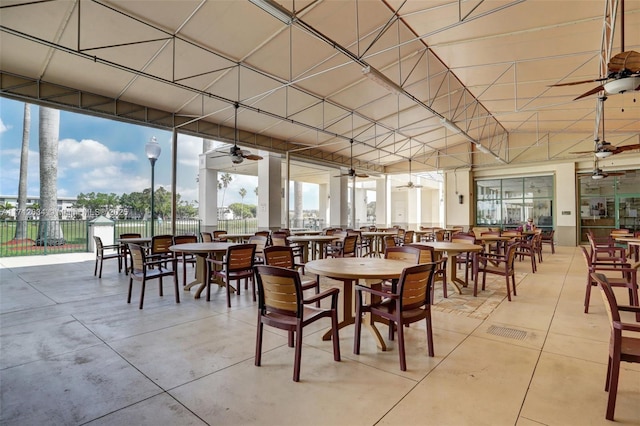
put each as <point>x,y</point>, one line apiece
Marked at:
<point>622,85</point>
<point>603,154</point>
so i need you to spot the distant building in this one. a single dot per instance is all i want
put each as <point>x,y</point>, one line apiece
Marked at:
<point>64,205</point>
<point>224,213</point>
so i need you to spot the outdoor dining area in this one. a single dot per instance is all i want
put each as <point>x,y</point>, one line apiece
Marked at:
<point>431,309</point>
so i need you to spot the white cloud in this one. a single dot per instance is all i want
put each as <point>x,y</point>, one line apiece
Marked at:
<point>3,128</point>
<point>89,153</point>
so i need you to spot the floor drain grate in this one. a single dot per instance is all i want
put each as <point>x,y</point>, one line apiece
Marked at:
<point>509,333</point>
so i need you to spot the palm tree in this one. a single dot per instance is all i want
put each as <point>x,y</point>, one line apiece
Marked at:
<point>224,182</point>
<point>243,193</point>
<point>49,230</point>
<point>21,226</point>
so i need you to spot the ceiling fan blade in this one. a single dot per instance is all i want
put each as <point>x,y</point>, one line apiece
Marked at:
<point>362,175</point>
<point>590,92</point>
<point>250,156</point>
<point>574,83</point>
<point>625,60</point>
<point>613,174</point>
<point>625,148</point>
<point>582,152</point>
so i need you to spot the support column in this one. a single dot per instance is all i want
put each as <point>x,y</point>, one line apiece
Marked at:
<point>207,195</point>
<point>297,205</point>
<point>270,191</point>
<point>338,204</point>
<point>382,207</point>
<point>323,205</point>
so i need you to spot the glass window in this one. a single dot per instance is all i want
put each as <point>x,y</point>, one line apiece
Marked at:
<point>508,203</point>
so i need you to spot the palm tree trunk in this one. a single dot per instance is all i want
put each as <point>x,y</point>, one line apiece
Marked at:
<point>49,230</point>
<point>21,226</point>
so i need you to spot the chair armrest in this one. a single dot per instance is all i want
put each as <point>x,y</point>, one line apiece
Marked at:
<point>215,261</point>
<point>333,292</point>
<point>627,326</point>
<point>360,287</point>
<point>112,247</point>
<point>628,308</point>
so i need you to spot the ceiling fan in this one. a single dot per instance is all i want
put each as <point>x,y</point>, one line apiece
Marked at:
<point>409,184</point>
<point>604,149</point>
<point>352,172</point>
<point>235,152</point>
<point>598,173</point>
<point>623,71</point>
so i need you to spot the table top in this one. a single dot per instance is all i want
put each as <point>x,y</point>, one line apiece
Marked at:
<point>201,247</point>
<point>241,235</point>
<point>487,238</point>
<point>627,239</point>
<point>313,238</point>
<point>357,267</point>
<point>378,233</point>
<point>452,247</point>
<point>309,232</point>
<point>137,240</point>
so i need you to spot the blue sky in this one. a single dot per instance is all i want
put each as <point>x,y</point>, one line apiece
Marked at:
<point>100,155</point>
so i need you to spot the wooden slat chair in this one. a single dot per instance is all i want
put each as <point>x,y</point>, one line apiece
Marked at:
<point>237,265</point>
<point>184,257</point>
<point>409,302</point>
<point>124,250</point>
<point>284,257</point>
<point>627,277</point>
<point>281,304</point>
<point>206,237</point>
<point>428,255</point>
<point>497,264</point>
<point>145,268</point>
<point>105,252</point>
<point>622,347</point>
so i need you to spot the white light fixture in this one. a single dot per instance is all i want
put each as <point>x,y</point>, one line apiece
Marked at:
<point>603,154</point>
<point>597,177</point>
<point>622,85</point>
<point>275,10</point>
<point>482,149</point>
<point>451,126</point>
<point>382,80</point>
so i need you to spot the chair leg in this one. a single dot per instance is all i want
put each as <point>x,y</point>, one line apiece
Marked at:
<point>175,286</point>
<point>335,335</point>
<point>142,293</point>
<point>95,269</point>
<point>258,357</point>
<point>587,295</point>
<point>613,387</point>
<point>508,289</point>
<point>429,333</point>
<point>401,352</point>
<point>298,354</point>
<point>358,324</point>
<point>130,289</point>
<point>100,273</point>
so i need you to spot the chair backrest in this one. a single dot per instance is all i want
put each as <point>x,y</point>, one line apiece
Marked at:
<point>439,234</point>
<point>260,242</point>
<point>185,239</point>
<point>138,260</point>
<point>219,235</point>
<point>427,253</point>
<point>406,253</point>
<point>206,237</point>
<point>511,256</point>
<point>389,241</point>
<point>131,235</point>
<point>463,238</point>
<point>285,231</point>
<point>587,258</point>
<point>279,238</point>
<point>281,256</point>
<point>414,286</point>
<point>609,299</point>
<point>349,245</point>
<point>240,257</point>
<point>160,244</point>
<point>408,237</point>
<point>279,291</point>
<point>99,245</point>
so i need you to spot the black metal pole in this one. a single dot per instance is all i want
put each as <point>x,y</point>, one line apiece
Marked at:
<point>153,163</point>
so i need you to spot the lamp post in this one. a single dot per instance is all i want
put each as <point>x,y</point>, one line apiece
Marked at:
<point>152,149</point>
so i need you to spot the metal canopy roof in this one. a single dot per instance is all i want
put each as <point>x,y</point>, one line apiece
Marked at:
<point>299,73</point>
